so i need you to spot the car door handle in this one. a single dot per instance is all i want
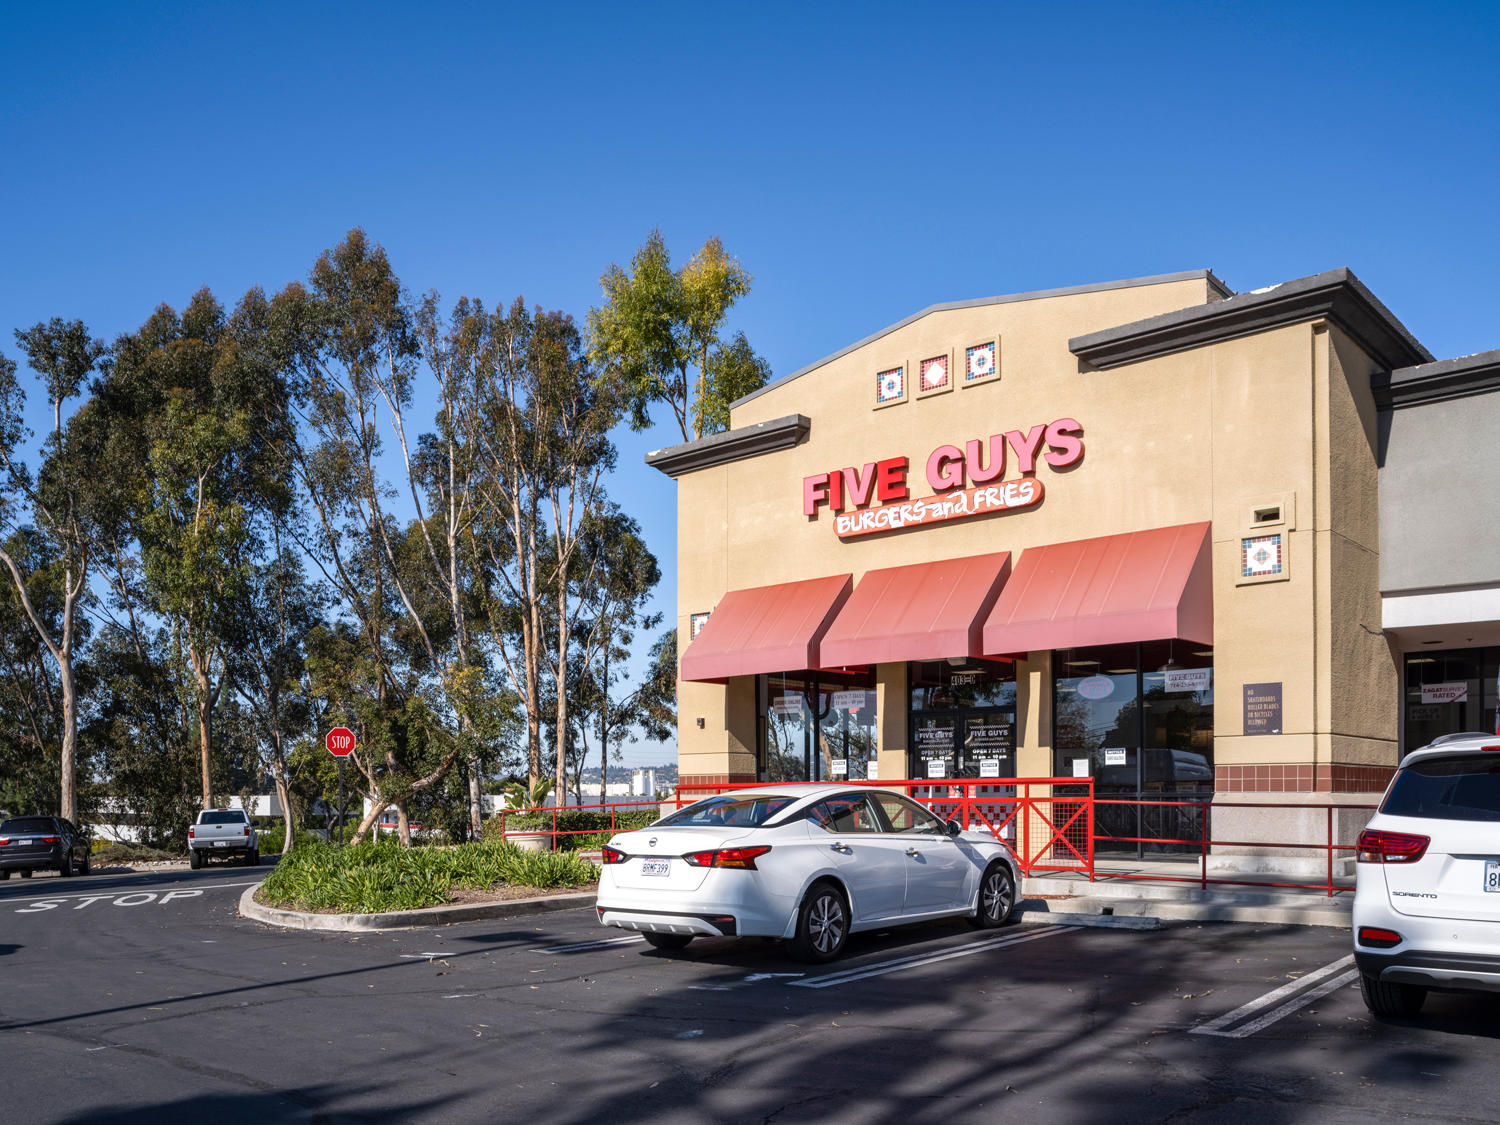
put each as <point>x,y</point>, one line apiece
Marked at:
<point>912,852</point>
<point>839,847</point>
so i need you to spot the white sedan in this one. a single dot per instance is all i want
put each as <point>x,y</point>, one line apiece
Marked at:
<point>808,863</point>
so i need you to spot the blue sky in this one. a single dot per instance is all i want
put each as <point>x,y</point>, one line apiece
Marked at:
<point>862,161</point>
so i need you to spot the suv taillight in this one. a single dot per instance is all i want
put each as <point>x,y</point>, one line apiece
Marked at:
<point>190,831</point>
<point>1377,938</point>
<point>742,858</point>
<point>1379,846</point>
<point>613,855</point>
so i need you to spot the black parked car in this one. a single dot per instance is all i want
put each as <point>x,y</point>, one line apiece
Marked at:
<point>30,842</point>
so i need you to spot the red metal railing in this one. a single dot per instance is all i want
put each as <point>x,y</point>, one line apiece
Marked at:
<point>1047,831</point>
<point>549,817</point>
<point>1203,842</point>
<point>1057,830</point>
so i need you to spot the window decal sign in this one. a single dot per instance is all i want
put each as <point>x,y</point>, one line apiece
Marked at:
<point>1187,679</point>
<point>1455,692</point>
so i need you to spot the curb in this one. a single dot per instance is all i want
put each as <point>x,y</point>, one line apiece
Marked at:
<point>406,919</point>
<point>1034,913</point>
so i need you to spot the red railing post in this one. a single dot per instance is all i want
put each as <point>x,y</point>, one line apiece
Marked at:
<point>1203,808</point>
<point>1330,849</point>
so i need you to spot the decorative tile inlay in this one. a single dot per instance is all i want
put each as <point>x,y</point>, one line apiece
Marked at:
<point>979,362</point>
<point>1260,556</point>
<point>890,386</point>
<point>934,373</point>
<point>697,622</point>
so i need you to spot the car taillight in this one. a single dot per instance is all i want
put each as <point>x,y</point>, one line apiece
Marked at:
<point>245,831</point>
<point>1378,938</point>
<point>190,831</point>
<point>4,839</point>
<point>742,858</point>
<point>614,855</point>
<point>49,839</point>
<point>1376,846</point>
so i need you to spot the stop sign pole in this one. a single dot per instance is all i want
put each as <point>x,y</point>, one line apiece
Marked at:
<point>340,743</point>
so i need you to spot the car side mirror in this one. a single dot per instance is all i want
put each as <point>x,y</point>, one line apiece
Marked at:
<point>953,828</point>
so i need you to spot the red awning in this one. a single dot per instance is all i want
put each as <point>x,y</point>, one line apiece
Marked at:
<point>767,629</point>
<point>1142,586</point>
<point>927,611</point>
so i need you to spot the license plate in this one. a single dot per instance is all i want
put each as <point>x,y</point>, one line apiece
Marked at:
<point>655,866</point>
<point>221,843</point>
<point>1492,875</point>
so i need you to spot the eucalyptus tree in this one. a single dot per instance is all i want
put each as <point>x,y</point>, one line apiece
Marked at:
<point>660,331</point>
<point>351,339</point>
<point>540,423</point>
<point>277,611</point>
<point>615,583</point>
<point>200,419</point>
<point>30,711</point>
<point>61,502</point>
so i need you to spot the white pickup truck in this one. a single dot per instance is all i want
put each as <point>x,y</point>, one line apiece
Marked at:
<point>224,832</point>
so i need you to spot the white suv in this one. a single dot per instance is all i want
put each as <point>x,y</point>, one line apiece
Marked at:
<point>1427,892</point>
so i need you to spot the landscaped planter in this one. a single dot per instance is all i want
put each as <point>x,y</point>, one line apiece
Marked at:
<point>530,841</point>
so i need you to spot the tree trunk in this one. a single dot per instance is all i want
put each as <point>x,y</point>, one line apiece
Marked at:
<point>284,795</point>
<point>205,733</point>
<point>69,810</point>
<point>476,814</point>
<point>560,784</point>
<point>403,826</point>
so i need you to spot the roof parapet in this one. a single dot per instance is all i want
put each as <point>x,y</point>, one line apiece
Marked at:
<point>1336,295</point>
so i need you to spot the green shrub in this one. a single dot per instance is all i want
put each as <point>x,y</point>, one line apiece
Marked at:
<point>271,840</point>
<point>577,828</point>
<point>376,877</point>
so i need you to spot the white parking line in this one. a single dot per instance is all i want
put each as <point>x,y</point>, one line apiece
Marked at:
<point>1294,989</point>
<point>880,968</point>
<point>584,946</point>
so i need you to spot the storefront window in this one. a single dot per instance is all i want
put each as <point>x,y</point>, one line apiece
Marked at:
<point>1139,720</point>
<point>1450,691</point>
<point>963,719</point>
<point>817,727</point>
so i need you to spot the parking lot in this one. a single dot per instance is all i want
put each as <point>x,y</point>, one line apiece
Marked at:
<point>133,997</point>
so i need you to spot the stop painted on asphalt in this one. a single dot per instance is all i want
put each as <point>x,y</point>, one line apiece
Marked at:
<point>133,898</point>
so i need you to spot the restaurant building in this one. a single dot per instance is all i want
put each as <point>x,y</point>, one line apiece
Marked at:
<point>1149,532</point>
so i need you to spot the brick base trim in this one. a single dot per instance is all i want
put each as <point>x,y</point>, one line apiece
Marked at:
<point>1302,777</point>
<point>716,779</point>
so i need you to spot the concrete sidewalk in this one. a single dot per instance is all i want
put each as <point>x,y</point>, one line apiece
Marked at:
<point>1169,890</point>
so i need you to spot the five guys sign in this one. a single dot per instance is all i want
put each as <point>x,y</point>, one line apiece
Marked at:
<point>968,481</point>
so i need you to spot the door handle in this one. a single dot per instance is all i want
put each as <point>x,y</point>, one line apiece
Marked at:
<point>839,847</point>
<point>912,852</point>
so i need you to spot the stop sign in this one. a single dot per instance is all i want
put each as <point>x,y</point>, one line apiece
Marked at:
<point>340,741</point>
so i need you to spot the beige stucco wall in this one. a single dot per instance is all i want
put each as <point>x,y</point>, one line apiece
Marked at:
<point>1207,434</point>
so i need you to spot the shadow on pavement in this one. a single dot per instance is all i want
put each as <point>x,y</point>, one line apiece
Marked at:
<point>316,1103</point>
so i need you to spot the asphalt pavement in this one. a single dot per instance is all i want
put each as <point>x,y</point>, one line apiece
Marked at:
<point>135,998</point>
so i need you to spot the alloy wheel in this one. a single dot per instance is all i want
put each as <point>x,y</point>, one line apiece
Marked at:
<point>825,921</point>
<point>997,895</point>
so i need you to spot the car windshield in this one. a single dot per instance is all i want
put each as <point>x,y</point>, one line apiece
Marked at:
<point>28,824</point>
<point>222,818</point>
<point>738,812</point>
<point>1457,788</point>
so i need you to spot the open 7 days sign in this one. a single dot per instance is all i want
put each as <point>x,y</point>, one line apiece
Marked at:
<point>966,481</point>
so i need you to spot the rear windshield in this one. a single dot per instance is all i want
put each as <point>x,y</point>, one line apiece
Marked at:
<point>222,818</point>
<point>738,812</point>
<point>28,824</point>
<point>1458,788</point>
